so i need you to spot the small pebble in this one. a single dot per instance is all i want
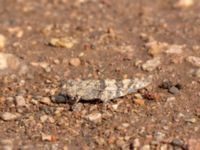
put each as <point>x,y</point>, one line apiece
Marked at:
<point>58,99</point>
<point>194,60</point>
<point>173,90</point>
<point>145,147</point>
<point>166,85</point>
<point>20,101</point>
<point>94,117</point>
<point>43,118</point>
<point>136,143</point>
<point>139,102</point>
<point>75,62</point>
<point>159,136</point>
<point>184,3</point>
<point>177,142</point>
<point>151,64</point>
<point>64,42</point>
<point>11,63</point>
<point>7,116</point>
<point>45,100</point>
<point>191,120</point>
<point>196,73</point>
<point>164,147</point>
<point>48,137</point>
<point>175,49</point>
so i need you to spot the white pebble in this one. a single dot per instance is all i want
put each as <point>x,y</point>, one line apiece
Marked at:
<point>151,64</point>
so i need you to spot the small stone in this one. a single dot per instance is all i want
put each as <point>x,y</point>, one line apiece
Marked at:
<point>47,137</point>
<point>136,143</point>
<point>43,118</point>
<point>166,84</point>
<point>10,63</point>
<point>173,90</point>
<point>120,143</point>
<point>171,99</point>
<point>44,65</point>
<point>115,106</point>
<point>174,49</point>
<point>194,60</point>
<point>139,101</point>
<point>94,117</point>
<point>145,147</point>
<point>75,62</point>
<point>194,144</point>
<point>111,139</point>
<point>155,47</point>
<point>65,147</point>
<point>59,99</point>
<point>51,119</point>
<point>151,64</point>
<point>2,41</point>
<point>45,100</point>
<point>191,120</point>
<point>164,147</point>
<point>7,116</point>
<point>65,42</point>
<point>196,73</point>
<point>184,3</point>
<point>177,142</point>
<point>56,61</point>
<point>159,136</point>
<point>20,101</point>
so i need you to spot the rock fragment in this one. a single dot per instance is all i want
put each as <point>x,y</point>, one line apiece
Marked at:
<point>20,101</point>
<point>173,90</point>
<point>7,116</point>
<point>75,62</point>
<point>159,136</point>
<point>94,117</point>
<point>194,60</point>
<point>184,3</point>
<point>151,64</point>
<point>174,49</point>
<point>155,47</point>
<point>44,65</point>
<point>136,143</point>
<point>139,101</point>
<point>59,99</point>
<point>45,100</point>
<point>196,73</point>
<point>10,63</point>
<point>178,143</point>
<point>145,147</point>
<point>48,137</point>
<point>64,42</point>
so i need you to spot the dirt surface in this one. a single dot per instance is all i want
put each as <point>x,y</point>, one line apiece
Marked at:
<point>52,41</point>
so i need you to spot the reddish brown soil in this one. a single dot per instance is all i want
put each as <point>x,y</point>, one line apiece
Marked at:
<point>109,41</point>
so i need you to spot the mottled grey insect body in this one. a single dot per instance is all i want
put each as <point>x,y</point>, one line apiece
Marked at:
<point>104,90</point>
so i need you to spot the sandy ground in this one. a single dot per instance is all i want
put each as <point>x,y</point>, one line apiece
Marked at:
<point>44,43</point>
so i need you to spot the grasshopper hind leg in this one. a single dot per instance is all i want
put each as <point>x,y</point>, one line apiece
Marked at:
<point>74,101</point>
